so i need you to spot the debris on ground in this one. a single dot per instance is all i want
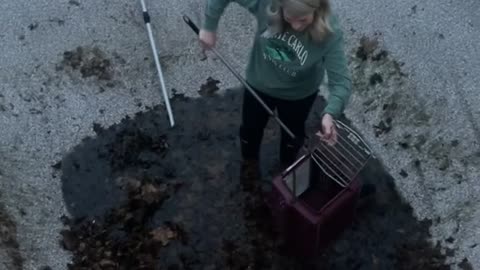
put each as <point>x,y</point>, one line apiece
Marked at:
<point>185,208</point>
<point>89,62</point>
<point>383,127</point>
<point>376,79</point>
<point>122,239</point>
<point>9,248</point>
<point>210,87</point>
<point>33,26</point>
<point>74,3</point>
<point>367,47</point>
<point>465,265</point>
<point>380,56</point>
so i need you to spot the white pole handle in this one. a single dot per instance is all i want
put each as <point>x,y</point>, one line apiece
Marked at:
<point>146,18</point>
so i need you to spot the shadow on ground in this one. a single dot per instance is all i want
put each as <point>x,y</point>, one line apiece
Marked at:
<point>10,256</point>
<point>145,196</point>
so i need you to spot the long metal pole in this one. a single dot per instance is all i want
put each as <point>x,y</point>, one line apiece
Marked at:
<point>146,18</point>
<point>242,80</point>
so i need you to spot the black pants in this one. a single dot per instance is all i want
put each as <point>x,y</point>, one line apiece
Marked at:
<point>255,118</point>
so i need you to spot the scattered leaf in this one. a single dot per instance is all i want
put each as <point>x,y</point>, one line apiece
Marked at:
<point>210,87</point>
<point>163,235</point>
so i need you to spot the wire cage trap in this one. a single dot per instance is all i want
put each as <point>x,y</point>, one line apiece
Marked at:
<point>314,199</point>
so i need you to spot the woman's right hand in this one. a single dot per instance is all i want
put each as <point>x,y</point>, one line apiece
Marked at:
<point>207,39</point>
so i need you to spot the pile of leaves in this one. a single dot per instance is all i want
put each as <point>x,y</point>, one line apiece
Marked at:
<point>123,238</point>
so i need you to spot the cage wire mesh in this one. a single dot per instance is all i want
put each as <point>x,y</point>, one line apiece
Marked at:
<point>339,163</point>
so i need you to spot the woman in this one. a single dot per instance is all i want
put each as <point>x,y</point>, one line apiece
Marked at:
<point>296,42</point>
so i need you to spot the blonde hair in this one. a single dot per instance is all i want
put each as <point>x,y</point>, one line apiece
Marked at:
<point>318,30</point>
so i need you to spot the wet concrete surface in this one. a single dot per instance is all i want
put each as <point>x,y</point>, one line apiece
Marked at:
<point>187,196</point>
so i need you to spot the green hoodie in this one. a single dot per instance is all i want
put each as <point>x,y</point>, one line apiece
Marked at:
<point>289,65</point>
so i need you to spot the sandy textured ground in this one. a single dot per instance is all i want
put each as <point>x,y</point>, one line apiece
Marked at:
<point>48,102</point>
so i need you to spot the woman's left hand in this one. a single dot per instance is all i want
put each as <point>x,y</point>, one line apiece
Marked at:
<point>328,131</point>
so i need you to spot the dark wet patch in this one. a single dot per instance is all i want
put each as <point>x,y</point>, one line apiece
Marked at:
<point>465,265</point>
<point>8,241</point>
<point>376,79</point>
<point>89,61</point>
<point>33,26</point>
<point>404,145</point>
<point>74,3</point>
<point>380,56</point>
<point>210,87</point>
<point>222,226</point>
